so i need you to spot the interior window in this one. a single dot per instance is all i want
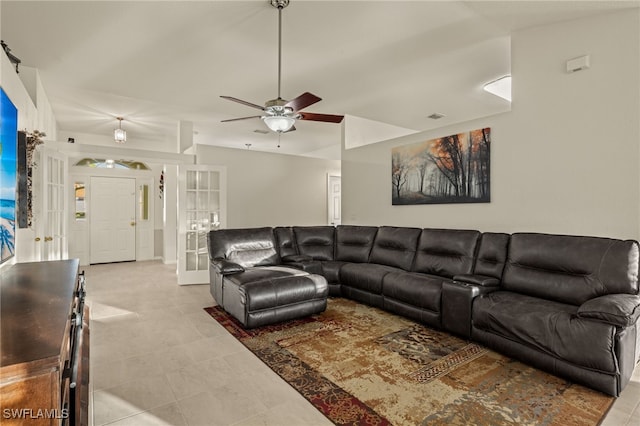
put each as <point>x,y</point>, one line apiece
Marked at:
<point>79,193</point>
<point>102,163</point>
<point>143,202</point>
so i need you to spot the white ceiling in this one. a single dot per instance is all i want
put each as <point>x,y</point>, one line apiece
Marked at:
<point>158,62</point>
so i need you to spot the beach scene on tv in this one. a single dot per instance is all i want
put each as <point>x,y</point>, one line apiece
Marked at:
<point>7,209</point>
<point>8,159</point>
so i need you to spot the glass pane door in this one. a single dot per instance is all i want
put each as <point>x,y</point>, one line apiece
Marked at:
<point>53,227</point>
<point>200,210</point>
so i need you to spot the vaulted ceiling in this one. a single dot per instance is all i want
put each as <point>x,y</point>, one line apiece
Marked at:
<point>158,62</point>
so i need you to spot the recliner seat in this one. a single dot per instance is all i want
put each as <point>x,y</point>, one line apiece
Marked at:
<point>248,281</point>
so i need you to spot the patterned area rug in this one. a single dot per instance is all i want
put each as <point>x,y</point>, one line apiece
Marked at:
<point>362,366</point>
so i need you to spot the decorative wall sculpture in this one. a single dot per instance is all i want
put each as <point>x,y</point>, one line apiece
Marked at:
<point>451,169</point>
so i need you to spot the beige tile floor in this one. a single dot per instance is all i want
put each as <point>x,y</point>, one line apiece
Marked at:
<point>158,359</point>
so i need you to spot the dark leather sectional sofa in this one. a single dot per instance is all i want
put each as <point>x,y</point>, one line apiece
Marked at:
<point>565,304</point>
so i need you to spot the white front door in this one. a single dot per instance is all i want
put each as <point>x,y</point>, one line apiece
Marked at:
<point>334,193</point>
<point>113,219</point>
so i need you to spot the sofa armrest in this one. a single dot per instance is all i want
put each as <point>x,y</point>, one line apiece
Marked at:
<point>479,280</point>
<point>296,258</point>
<point>225,267</point>
<point>621,310</point>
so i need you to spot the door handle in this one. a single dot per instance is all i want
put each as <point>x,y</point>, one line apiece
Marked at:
<point>132,223</point>
<point>48,239</point>
<point>37,239</point>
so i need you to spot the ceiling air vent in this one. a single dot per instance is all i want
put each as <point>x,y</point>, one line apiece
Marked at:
<point>436,116</point>
<point>263,132</point>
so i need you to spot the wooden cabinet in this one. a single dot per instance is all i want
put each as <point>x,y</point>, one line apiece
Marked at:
<point>44,326</point>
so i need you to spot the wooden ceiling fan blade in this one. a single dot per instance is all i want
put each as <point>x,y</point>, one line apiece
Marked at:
<point>240,101</point>
<point>302,101</point>
<point>327,118</point>
<point>241,118</point>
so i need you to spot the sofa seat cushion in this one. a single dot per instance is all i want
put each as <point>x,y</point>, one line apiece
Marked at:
<point>282,291</point>
<point>419,290</point>
<point>365,276</point>
<point>266,295</point>
<point>548,326</point>
<point>262,273</point>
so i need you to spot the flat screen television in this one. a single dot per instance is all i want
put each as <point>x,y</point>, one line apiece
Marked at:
<point>8,167</point>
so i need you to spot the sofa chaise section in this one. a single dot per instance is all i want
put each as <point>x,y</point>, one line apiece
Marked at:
<point>248,281</point>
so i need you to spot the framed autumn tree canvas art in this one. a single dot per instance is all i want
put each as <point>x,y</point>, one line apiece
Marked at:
<point>451,169</point>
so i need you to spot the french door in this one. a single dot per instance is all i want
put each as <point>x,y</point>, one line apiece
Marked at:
<point>201,208</point>
<point>51,224</point>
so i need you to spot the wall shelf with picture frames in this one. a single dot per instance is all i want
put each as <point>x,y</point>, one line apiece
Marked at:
<point>201,201</point>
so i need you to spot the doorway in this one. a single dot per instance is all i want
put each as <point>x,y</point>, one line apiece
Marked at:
<point>113,219</point>
<point>334,194</point>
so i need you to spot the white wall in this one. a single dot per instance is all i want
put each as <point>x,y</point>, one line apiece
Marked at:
<point>33,114</point>
<point>265,189</point>
<point>566,159</point>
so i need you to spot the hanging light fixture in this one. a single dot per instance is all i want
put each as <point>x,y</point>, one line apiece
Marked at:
<point>280,115</point>
<point>279,120</point>
<point>119,134</point>
<point>279,123</point>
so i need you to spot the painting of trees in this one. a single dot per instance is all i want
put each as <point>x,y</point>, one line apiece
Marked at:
<point>451,169</point>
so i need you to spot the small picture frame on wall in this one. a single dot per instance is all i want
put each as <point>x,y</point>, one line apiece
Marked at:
<point>450,169</point>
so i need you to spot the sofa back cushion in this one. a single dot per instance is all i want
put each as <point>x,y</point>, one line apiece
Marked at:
<point>446,252</point>
<point>285,241</point>
<point>492,254</point>
<point>570,269</point>
<point>315,241</point>
<point>354,243</point>
<point>246,247</point>
<point>395,247</point>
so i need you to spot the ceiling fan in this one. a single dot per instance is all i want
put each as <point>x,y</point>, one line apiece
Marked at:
<point>279,114</point>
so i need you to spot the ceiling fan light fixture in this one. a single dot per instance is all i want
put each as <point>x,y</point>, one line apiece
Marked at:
<point>119,134</point>
<point>280,115</point>
<point>279,123</point>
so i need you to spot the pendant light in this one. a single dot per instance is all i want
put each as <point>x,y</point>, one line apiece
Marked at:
<point>119,134</point>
